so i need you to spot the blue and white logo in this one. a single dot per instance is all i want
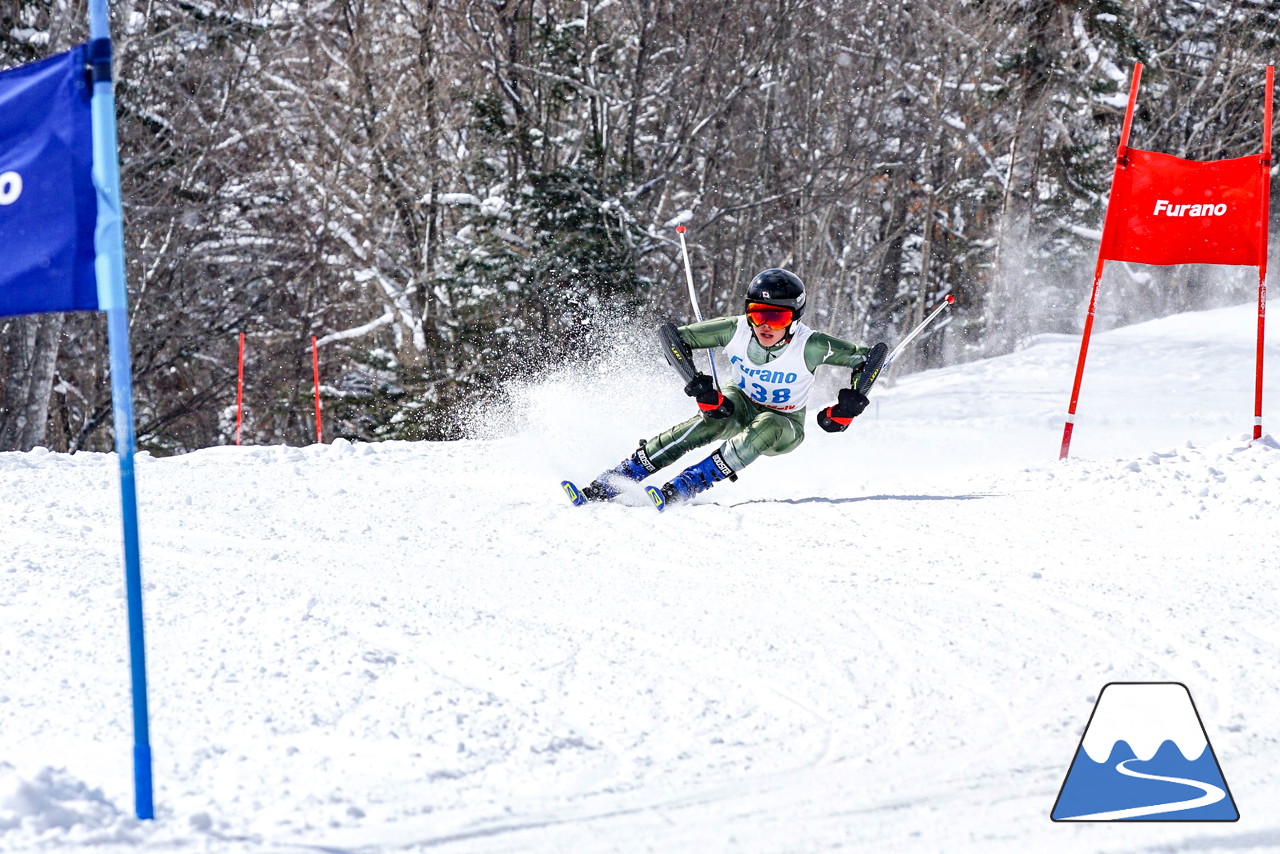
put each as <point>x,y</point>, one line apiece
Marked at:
<point>1145,756</point>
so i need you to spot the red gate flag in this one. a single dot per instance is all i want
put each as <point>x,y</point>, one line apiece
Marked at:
<point>1166,210</point>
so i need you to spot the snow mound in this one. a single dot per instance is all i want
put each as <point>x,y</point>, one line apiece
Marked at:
<point>51,807</point>
<point>1229,477</point>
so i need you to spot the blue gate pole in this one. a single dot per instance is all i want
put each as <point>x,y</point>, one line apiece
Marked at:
<point>109,248</point>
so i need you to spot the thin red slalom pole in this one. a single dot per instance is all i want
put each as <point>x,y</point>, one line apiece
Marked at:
<point>315,370</point>
<point>1266,113</point>
<point>1122,160</point>
<point>1264,225</point>
<point>1122,157</point>
<point>1069,427</point>
<point>1262,323</point>
<point>1123,148</point>
<point>240,390</point>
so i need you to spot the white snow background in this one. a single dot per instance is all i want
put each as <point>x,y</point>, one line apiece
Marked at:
<point>889,640</point>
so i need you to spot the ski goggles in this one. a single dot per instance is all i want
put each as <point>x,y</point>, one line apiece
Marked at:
<point>770,316</point>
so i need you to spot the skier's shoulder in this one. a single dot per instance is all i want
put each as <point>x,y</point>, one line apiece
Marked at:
<point>715,332</point>
<point>826,339</point>
<point>822,348</point>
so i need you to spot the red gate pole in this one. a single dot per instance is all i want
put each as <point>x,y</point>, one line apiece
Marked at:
<point>1122,155</point>
<point>315,370</point>
<point>1262,267</point>
<point>1084,352</point>
<point>240,389</point>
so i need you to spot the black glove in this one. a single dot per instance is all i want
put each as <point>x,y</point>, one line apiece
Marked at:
<point>836,419</point>
<point>712,403</point>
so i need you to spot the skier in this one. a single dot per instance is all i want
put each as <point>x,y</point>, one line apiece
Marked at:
<point>773,357</point>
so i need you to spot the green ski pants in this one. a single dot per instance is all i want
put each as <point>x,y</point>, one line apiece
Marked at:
<point>752,430</point>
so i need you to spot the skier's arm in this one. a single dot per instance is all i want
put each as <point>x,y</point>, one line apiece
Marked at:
<point>717,332</point>
<point>853,400</point>
<point>823,349</point>
<point>697,385</point>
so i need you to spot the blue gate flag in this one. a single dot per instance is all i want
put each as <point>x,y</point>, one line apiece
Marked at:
<point>48,204</point>
<point>62,249</point>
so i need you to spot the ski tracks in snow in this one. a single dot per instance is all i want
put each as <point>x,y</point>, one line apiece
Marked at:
<point>468,663</point>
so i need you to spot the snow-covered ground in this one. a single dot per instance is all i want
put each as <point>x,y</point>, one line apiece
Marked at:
<point>890,640</point>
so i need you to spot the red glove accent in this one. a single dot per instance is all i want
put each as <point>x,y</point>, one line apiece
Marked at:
<point>708,407</point>
<point>710,400</point>
<point>844,422</point>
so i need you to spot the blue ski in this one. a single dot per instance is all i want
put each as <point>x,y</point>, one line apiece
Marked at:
<point>575,494</point>
<point>656,496</point>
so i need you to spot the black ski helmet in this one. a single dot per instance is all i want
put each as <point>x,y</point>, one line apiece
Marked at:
<point>778,287</point>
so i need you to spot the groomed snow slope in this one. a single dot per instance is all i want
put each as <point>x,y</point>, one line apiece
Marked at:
<point>890,640</point>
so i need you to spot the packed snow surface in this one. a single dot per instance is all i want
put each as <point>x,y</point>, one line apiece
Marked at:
<point>889,640</point>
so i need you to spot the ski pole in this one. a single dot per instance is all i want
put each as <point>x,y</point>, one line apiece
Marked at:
<point>902,345</point>
<point>693,298</point>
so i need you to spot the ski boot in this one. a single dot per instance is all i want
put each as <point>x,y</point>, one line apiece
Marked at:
<point>606,487</point>
<point>696,478</point>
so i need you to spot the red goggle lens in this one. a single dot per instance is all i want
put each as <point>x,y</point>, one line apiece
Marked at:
<point>769,315</point>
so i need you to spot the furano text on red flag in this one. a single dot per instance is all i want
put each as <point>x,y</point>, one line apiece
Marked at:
<point>1166,210</point>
